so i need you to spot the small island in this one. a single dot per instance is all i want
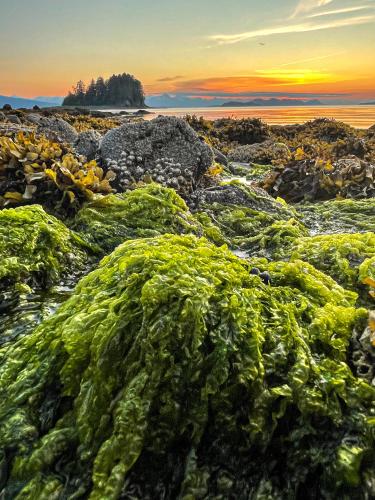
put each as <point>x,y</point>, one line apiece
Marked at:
<point>123,91</point>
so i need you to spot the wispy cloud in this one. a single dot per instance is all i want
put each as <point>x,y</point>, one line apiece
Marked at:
<point>170,78</point>
<point>292,28</point>
<point>311,59</point>
<point>346,10</point>
<point>309,5</point>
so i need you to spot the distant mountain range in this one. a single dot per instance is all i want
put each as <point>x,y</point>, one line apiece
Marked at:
<point>185,101</point>
<point>181,101</point>
<point>272,102</point>
<point>20,102</point>
<point>368,103</point>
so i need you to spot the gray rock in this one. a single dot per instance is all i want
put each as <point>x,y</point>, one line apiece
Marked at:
<point>33,118</point>
<point>219,157</point>
<point>164,142</point>
<point>2,117</point>
<point>88,144</point>
<point>237,195</point>
<point>14,119</point>
<point>262,153</point>
<point>57,129</point>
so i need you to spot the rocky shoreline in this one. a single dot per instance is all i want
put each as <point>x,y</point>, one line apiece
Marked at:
<point>186,307</point>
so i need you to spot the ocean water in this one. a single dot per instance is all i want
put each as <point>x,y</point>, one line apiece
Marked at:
<point>357,116</point>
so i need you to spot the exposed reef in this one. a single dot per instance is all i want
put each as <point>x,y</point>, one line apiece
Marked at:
<point>224,346</point>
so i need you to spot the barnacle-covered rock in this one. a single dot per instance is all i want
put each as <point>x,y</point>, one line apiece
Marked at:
<point>57,129</point>
<point>88,144</point>
<point>36,248</point>
<point>263,153</point>
<point>147,211</point>
<point>172,371</point>
<point>166,150</point>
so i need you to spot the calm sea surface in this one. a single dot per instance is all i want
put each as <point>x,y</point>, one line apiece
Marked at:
<point>357,116</point>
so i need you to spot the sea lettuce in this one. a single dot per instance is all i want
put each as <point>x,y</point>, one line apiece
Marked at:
<point>147,211</point>
<point>172,371</point>
<point>36,248</point>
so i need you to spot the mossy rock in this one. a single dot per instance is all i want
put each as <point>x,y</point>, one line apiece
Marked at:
<point>347,258</point>
<point>36,248</point>
<point>247,218</point>
<point>148,211</point>
<point>173,372</point>
<point>339,216</point>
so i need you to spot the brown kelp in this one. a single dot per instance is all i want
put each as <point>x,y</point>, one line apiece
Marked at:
<point>173,372</point>
<point>34,169</point>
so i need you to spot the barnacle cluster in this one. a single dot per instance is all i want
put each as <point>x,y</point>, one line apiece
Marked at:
<point>131,169</point>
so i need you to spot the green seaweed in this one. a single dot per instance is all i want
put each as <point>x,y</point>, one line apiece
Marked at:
<point>256,223</point>
<point>36,248</point>
<point>339,216</point>
<point>173,372</point>
<point>347,258</point>
<point>145,212</point>
<point>258,172</point>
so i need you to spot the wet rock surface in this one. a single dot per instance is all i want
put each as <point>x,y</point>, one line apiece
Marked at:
<point>57,129</point>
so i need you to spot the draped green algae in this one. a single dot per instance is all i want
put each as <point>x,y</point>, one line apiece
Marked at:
<point>145,212</point>
<point>36,248</point>
<point>348,258</point>
<point>249,219</point>
<point>339,216</point>
<point>173,372</point>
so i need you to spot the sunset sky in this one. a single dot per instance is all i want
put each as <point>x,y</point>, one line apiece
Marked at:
<point>241,48</point>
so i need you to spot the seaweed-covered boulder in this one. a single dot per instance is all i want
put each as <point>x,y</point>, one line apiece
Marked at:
<point>148,211</point>
<point>57,129</point>
<point>165,149</point>
<point>263,153</point>
<point>174,372</point>
<point>36,248</point>
<point>88,144</point>
<point>246,218</point>
<point>339,216</point>
<point>321,180</point>
<point>237,193</point>
<point>348,258</point>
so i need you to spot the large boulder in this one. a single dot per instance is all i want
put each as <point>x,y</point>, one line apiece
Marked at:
<point>57,129</point>
<point>165,149</point>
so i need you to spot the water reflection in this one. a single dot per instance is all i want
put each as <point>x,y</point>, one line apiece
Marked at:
<point>357,116</point>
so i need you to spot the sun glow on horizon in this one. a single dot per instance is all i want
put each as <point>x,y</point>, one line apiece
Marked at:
<point>314,47</point>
